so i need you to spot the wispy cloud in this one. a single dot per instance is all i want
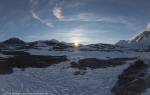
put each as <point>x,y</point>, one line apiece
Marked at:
<point>89,17</point>
<point>33,3</point>
<point>57,12</point>
<point>2,34</point>
<point>31,36</point>
<point>51,2</point>
<point>79,34</point>
<point>41,20</point>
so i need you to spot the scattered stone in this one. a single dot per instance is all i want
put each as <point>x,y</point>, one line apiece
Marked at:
<point>77,72</point>
<point>83,73</point>
<point>80,73</point>
<point>83,68</point>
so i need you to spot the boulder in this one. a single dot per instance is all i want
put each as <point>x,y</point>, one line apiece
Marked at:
<point>77,72</point>
<point>138,85</point>
<point>138,63</point>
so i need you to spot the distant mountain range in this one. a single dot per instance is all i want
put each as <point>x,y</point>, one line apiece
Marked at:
<point>18,44</point>
<point>141,41</point>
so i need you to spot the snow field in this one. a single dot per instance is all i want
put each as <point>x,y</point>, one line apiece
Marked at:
<point>59,80</point>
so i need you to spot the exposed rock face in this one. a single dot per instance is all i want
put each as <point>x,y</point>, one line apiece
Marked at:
<point>14,41</point>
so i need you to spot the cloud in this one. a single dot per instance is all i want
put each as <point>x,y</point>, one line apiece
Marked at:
<point>52,1</point>
<point>57,12</point>
<point>73,35</point>
<point>79,34</point>
<point>33,3</point>
<point>89,17</point>
<point>2,34</point>
<point>31,36</point>
<point>148,27</point>
<point>41,20</point>
<point>80,17</point>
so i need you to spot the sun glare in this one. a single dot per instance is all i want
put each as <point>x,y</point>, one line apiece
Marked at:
<point>76,44</point>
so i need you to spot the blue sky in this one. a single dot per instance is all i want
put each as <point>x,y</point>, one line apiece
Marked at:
<point>82,21</point>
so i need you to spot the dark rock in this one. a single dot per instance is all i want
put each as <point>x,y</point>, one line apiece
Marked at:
<point>138,63</point>
<point>24,60</point>
<point>94,63</point>
<point>83,73</point>
<point>138,85</point>
<point>131,81</point>
<point>138,76</point>
<point>77,72</point>
<point>75,65</point>
<point>83,68</point>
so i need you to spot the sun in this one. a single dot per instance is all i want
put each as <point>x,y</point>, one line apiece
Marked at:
<point>76,44</point>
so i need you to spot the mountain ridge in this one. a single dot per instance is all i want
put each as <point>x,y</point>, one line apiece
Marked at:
<point>144,35</point>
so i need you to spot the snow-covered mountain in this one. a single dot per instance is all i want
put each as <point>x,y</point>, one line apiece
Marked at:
<point>141,41</point>
<point>122,42</point>
<point>17,44</point>
<point>142,36</point>
<point>145,35</point>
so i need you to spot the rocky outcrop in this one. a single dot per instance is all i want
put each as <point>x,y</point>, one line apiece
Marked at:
<point>24,60</point>
<point>99,63</point>
<point>138,63</point>
<point>131,81</point>
<point>94,63</point>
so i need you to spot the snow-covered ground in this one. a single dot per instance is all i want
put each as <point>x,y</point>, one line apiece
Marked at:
<point>90,54</point>
<point>60,80</point>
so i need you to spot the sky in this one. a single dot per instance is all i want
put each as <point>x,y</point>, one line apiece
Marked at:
<point>82,21</point>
